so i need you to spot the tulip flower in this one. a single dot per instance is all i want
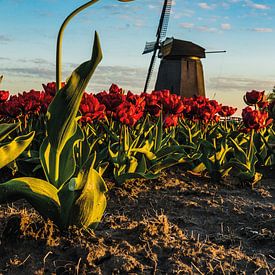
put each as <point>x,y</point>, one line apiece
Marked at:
<point>255,119</point>
<point>4,95</point>
<point>130,114</point>
<point>253,97</point>
<point>227,111</point>
<point>171,121</point>
<point>91,109</point>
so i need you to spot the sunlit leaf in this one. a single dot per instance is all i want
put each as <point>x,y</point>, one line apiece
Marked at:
<point>12,150</point>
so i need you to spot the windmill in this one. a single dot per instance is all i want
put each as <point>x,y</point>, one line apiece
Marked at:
<point>161,33</point>
<point>180,70</point>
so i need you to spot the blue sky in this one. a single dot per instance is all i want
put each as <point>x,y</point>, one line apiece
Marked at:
<point>245,28</point>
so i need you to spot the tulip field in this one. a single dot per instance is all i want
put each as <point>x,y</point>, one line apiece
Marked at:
<point>117,182</point>
<point>67,155</point>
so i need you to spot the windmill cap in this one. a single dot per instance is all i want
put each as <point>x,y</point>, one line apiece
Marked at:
<point>173,48</point>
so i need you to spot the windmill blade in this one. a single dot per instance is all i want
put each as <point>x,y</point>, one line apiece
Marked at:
<point>149,47</point>
<point>150,71</point>
<point>164,19</point>
<point>161,33</point>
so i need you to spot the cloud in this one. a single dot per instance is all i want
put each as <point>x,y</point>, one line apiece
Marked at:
<point>151,7</point>
<point>256,5</point>
<point>126,77</point>
<point>32,72</point>
<point>206,29</point>
<point>262,29</point>
<point>187,25</point>
<point>225,26</point>
<point>179,14</point>
<point>4,39</point>
<point>4,58</point>
<point>241,84</point>
<point>206,6</point>
<point>129,78</point>
<point>139,23</point>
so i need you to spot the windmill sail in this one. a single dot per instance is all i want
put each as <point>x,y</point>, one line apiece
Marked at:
<point>149,47</point>
<point>161,33</point>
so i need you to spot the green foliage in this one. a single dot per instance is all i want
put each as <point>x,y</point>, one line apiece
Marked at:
<point>11,149</point>
<point>63,198</point>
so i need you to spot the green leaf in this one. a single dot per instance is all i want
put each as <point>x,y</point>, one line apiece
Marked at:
<point>90,205</point>
<point>39,193</point>
<point>158,134</point>
<point>146,150</point>
<point>62,124</point>
<point>67,197</point>
<point>169,162</point>
<point>12,150</point>
<point>101,168</point>
<point>133,165</point>
<point>165,151</point>
<point>59,166</point>
<point>142,166</point>
<point>239,152</point>
<point>7,128</point>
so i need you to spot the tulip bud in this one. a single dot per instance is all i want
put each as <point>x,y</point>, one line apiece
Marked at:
<point>253,97</point>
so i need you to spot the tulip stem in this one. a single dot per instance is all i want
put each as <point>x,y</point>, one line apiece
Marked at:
<point>250,146</point>
<point>59,42</point>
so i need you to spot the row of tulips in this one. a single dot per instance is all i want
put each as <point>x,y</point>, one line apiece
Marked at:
<point>68,142</point>
<point>130,108</point>
<point>108,114</point>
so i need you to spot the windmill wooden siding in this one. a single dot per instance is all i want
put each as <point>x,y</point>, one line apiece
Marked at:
<point>180,69</point>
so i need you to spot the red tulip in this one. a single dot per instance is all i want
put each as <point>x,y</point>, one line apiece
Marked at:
<point>111,101</point>
<point>115,89</point>
<point>50,88</point>
<point>153,104</point>
<point>253,97</point>
<point>227,111</point>
<point>4,95</point>
<point>171,121</point>
<point>91,109</point>
<point>130,114</point>
<point>255,119</point>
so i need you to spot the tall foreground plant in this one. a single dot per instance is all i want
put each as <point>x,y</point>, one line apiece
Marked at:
<point>68,197</point>
<point>63,198</point>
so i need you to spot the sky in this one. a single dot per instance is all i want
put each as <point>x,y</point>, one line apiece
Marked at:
<point>244,28</point>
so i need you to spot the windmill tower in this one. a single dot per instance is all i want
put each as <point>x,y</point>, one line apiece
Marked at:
<point>180,70</point>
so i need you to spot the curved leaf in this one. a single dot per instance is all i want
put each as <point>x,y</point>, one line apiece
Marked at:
<point>7,128</point>
<point>62,112</point>
<point>39,193</point>
<point>90,205</point>
<point>12,150</point>
<point>59,166</point>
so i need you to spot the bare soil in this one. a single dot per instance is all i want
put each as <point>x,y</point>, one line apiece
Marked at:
<point>177,224</point>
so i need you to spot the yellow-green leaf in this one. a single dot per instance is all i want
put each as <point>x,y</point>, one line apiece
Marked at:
<point>90,205</point>
<point>59,166</point>
<point>62,111</point>
<point>12,150</point>
<point>7,128</point>
<point>39,193</point>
